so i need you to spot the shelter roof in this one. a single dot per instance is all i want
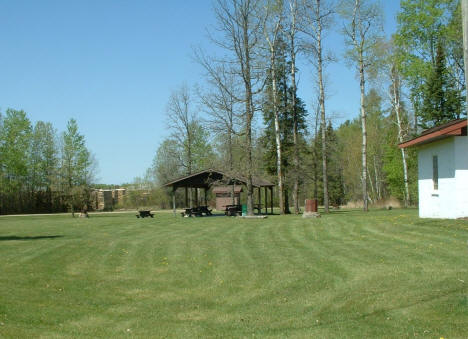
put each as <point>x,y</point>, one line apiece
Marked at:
<point>452,128</point>
<point>209,177</point>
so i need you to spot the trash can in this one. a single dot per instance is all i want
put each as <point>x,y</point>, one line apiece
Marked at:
<point>244,210</point>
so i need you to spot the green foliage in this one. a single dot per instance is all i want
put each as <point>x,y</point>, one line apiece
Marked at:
<point>15,140</point>
<point>76,166</point>
<point>421,25</point>
<point>442,102</point>
<point>172,157</point>
<point>286,122</point>
<point>335,177</point>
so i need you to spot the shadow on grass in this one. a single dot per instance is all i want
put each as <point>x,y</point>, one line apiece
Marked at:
<point>39,237</point>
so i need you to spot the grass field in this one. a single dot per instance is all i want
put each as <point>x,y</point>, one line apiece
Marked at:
<point>346,275</point>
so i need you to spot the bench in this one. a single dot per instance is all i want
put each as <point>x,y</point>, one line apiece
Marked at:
<point>144,214</point>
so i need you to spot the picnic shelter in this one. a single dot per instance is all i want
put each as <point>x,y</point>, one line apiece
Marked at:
<point>209,178</point>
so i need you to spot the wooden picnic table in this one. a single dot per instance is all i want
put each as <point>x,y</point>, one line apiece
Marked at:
<point>144,214</point>
<point>197,211</point>
<point>233,210</point>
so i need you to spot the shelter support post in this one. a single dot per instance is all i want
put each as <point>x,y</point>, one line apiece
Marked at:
<point>173,200</point>
<point>204,192</point>
<point>186,196</point>
<point>190,197</point>
<point>271,198</point>
<point>259,200</point>
<point>266,200</point>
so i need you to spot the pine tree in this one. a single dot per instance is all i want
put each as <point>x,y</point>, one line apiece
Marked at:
<point>442,102</point>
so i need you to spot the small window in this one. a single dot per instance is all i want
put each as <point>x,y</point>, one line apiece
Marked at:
<point>435,172</point>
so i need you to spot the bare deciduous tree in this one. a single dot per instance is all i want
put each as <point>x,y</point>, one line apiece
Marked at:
<point>293,51</point>
<point>273,16</point>
<point>362,28</point>
<point>239,28</point>
<point>318,15</point>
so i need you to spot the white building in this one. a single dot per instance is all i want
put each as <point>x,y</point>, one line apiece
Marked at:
<point>443,170</point>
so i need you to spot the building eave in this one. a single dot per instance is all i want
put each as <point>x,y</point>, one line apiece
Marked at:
<point>453,128</point>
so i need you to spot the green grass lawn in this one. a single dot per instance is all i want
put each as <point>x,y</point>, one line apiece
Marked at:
<point>346,275</point>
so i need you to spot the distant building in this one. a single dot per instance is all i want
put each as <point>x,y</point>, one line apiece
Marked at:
<point>106,200</point>
<point>442,170</point>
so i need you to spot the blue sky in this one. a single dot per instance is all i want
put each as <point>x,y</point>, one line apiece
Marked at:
<point>112,64</point>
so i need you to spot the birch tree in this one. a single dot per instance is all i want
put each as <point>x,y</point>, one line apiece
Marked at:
<point>362,30</point>
<point>273,17</point>
<point>292,29</point>
<point>395,99</point>
<point>318,15</point>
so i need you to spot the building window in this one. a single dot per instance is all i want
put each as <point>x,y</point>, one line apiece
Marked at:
<point>435,172</point>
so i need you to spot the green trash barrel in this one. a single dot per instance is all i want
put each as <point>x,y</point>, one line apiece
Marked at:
<point>244,210</point>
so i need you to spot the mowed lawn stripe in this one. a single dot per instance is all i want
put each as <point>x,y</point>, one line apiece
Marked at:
<point>347,274</point>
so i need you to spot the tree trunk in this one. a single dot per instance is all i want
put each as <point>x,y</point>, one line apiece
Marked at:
<point>322,111</point>
<point>397,106</point>
<point>464,6</point>
<point>292,35</point>
<point>249,116</point>
<point>286,202</point>
<point>316,156</point>
<point>364,133</point>
<point>277,136</point>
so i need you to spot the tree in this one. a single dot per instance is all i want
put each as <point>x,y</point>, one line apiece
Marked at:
<point>318,15</point>
<point>292,30</point>
<point>442,102</point>
<point>43,164</point>
<point>76,167</point>
<point>421,24</point>
<point>272,29</point>
<point>464,5</point>
<point>400,118</point>
<point>239,27</point>
<point>289,124</point>
<point>222,109</point>
<point>182,120</point>
<point>362,31</point>
<point>15,138</point>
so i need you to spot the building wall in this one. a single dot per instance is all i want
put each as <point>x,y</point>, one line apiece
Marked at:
<point>441,203</point>
<point>461,175</point>
<point>225,199</point>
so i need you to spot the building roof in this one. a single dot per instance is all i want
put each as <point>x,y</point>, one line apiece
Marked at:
<point>227,189</point>
<point>452,128</point>
<point>209,177</point>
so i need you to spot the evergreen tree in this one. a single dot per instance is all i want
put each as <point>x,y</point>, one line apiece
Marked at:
<point>442,102</point>
<point>286,122</point>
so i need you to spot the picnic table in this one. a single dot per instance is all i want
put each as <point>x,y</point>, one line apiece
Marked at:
<point>233,210</point>
<point>144,214</point>
<point>196,211</point>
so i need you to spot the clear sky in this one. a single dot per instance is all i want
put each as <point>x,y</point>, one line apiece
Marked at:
<point>112,64</point>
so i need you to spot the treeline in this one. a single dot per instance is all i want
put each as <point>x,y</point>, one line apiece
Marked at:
<point>248,119</point>
<point>40,169</point>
